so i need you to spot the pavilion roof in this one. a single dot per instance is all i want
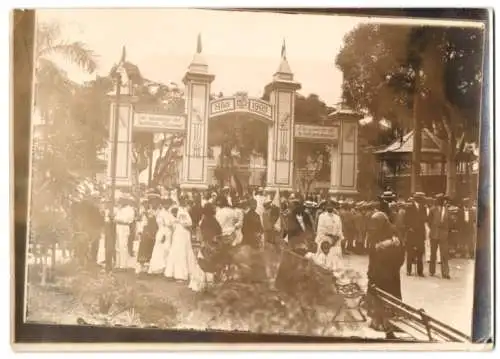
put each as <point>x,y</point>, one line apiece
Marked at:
<point>430,144</point>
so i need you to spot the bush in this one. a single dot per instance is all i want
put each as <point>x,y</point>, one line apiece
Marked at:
<point>114,299</point>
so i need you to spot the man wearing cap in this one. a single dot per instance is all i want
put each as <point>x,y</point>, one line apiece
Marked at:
<point>415,218</point>
<point>439,227</point>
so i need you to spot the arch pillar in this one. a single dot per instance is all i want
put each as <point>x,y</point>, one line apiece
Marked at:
<point>122,101</point>
<point>344,155</point>
<point>280,136</point>
<point>194,171</point>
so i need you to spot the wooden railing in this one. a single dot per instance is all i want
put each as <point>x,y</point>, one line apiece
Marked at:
<point>415,322</point>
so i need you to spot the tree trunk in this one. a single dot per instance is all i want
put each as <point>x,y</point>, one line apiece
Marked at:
<point>417,139</point>
<point>150,158</point>
<point>43,280</point>
<point>451,166</point>
<point>53,257</point>
<point>154,180</point>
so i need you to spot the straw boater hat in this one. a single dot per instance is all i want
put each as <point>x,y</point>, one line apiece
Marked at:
<point>388,195</point>
<point>125,198</point>
<point>153,194</point>
<point>453,209</point>
<point>419,195</point>
<point>310,204</point>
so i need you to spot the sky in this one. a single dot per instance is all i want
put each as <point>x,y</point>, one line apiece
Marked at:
<point>242,49</point>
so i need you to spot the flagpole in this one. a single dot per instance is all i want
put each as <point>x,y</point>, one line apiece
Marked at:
<point>111,233</point>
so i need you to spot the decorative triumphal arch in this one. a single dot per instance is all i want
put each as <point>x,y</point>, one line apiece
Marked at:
<point>278,113</point>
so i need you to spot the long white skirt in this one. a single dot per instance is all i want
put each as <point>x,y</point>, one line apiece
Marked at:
<point>181,260</point>
<point>101,252</point>
<point>199,279</point>
<point>122,255</point>
<point>159,257</point>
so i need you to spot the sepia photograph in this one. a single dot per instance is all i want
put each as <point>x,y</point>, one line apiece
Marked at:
<point>255,172</point>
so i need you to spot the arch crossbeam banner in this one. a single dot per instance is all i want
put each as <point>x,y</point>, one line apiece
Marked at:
<point>242,104</point>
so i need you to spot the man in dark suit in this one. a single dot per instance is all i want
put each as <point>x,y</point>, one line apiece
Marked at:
<point>415,218</point>
<point>439,226</point>
<point>467,224</point>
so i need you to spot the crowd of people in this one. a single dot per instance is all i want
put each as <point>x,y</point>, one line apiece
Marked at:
<point>166,232</point>
<point>166,222</point>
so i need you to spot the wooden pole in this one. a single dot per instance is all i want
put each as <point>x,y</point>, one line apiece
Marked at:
<point>150,170</point>
<point>415,185</point>
<point>111,233</point>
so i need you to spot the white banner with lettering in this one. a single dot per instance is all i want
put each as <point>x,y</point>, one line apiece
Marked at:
<point>159,122</point>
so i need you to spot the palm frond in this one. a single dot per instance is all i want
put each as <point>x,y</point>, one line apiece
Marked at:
<point>46,35</point>
<point>75,52</point>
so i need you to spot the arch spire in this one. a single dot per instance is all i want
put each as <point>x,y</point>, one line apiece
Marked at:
<point>199,47</point>
<point>283,49</point>
<point>284,71</point>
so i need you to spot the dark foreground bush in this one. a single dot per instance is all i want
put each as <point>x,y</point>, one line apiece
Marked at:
<point>303,301</point>
<point>112,299</point>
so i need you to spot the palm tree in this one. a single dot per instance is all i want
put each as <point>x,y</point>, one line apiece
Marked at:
<point>53,86</point>
<point>53,179</point>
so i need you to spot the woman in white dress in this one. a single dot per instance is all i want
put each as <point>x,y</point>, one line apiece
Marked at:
<point>124,217</point>
<point>181,260</point>
<point>163,239</point>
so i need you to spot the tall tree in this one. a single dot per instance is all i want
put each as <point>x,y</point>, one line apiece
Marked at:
<point>54,101</point>
<point>415,77</point>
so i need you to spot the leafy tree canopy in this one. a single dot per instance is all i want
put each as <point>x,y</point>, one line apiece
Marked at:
<point>380,63</point>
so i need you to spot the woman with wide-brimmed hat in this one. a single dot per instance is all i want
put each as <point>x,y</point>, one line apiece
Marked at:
<point>149,228</point>
<point>386,256</point>
<point>181,260</point>
<point>163,238</point>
